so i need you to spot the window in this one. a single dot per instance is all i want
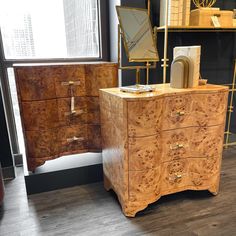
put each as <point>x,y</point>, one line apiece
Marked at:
<point>50,29</point>
<point>46,31</point>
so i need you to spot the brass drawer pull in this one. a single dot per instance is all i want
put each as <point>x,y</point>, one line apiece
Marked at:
<point>178,176</point>
<point>74,113</point>
<point>180,113</point>
<point>177,146</point>
<point>71,82</point>
<point>75,139</point>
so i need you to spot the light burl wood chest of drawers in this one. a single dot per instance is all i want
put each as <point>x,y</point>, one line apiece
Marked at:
<point>162,142</point>
<point>59,107</point>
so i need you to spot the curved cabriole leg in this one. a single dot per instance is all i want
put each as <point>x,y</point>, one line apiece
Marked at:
<point>131,209</point>
<point>129,213</point>
<point>214,189</point>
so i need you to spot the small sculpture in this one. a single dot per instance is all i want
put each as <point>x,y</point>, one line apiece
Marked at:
<point>204,3</point>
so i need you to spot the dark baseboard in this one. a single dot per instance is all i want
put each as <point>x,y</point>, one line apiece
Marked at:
<point>44,182</point>
<point>8,172</point>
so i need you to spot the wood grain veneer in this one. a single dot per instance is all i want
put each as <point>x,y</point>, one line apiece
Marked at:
<point>44,96</point>
<point>162,142</point>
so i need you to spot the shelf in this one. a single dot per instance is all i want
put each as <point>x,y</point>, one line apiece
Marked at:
<point>196,29</point>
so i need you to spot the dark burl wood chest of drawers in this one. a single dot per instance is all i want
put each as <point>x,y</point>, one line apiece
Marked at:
<point>59,107</point>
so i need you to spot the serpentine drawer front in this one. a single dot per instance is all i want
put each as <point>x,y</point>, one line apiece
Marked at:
<point>162,142</point>
<point>59,107</point>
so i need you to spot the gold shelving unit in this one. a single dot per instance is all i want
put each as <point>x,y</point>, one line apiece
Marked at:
<point>232,90</point>
<point>166,29</point>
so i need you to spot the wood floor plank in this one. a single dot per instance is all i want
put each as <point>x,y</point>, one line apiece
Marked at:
<point>90,210</point>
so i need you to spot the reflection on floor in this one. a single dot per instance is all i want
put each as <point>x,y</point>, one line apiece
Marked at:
<point>90,210</point>
<point>70,161</point>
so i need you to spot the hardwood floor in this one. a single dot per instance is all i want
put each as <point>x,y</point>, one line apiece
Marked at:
<point>90,210</point>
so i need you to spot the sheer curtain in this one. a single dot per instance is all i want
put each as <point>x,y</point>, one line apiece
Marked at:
<point>81,26</point>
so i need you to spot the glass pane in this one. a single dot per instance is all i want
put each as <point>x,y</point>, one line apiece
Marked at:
<point>49,28</point>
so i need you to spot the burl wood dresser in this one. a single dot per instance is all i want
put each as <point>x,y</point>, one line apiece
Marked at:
<point>59,107</point>
<point>162,142</point>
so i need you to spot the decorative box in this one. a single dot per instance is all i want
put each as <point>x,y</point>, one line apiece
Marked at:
<point>203,17</point>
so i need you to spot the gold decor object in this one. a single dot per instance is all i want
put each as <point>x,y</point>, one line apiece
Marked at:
<point>185,68</point>
<point>204,3</point>
<point>211,17</point>
<point>139,42</point>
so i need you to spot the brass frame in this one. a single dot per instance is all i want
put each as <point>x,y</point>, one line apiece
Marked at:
<point>125,40</point>
<point>148,66</point>
<point>227,143</point>
<point>137,68</point>
<point>230,111</point>
<point>165,59</point>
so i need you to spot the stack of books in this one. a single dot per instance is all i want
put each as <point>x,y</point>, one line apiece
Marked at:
<point>178,12</point>
<point>186,12</point>
<point>194,53</point>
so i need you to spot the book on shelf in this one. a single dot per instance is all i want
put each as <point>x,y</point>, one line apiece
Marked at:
<point>186,12</point>
<point>178,12</point>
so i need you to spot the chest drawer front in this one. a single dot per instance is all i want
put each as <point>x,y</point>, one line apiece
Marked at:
<point>207,141</point>
<point>93,110</point>
<point>176,144</point>
<point>72,139</point>
<point>190,173</point>
<point>177,112</point>
<point>175,175</point>
<point>42,143</point>
<point>144,117</point>
<point>99,77</point>
<point>192,142</point>
<point>69,117</point>
<point>144,185</point>
<point>204,172</point>
<point>94,138</point>
<point>36,83</point>
<point>209,109</point>
<point>38,115</point>
<point>194,110</point>
<point>144,153</point>
<point>85,111</point>
<point>70,81</point>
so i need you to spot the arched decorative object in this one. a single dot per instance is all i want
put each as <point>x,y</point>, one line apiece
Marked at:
<point>204,3</point>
